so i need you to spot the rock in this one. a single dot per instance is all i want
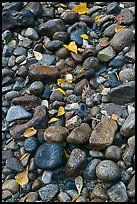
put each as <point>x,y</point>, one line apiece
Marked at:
<point>106,54</point>
<point>43,73</point>
<point>11,95</point>
<point>77,57</point>
<point>62,53</point>
<point>56,96</point>
<point>70,184</point>
<point>47,60</point>
<point>112,108</point>
<point>127,16</point>
<point>34,7</point>
<point>62,36</point>
<point>73,122</point>
<point>103,134</point>
<point>7,51</point>
<point>112,79</point>
<point>56,134</point>
<point>117,192</point>
<point>38,121</point>
<point>130,56</point>
<point>90,170</point>
<point>14,164</point>
<point>20,59</point>
<point>17,19</point>
<point>54,45</point>
<point>49,155</point>
<point>122,94</point>
<point>10,185</point>
<point>113,152</point>
<point>96,154</point>
<point>118,61</point>
<point>72,193</point>
<point>31,144</point>
<point>50,27</point>
<point>108,171</point>
<point>131,140</point>
<point>91,63</point>
<point>69,17</point>
<point>6,154</point>
<point>79,86</point>
<point>36,88</point>
<point>131,188</point>
<point>32,34</point>
<point>128,127</point>
<point>27,100</point>
<point>76,162</point>
<point>17,113</point>
<point>127,75</point>
<point>63,197</point>
<point>46,177</point>
<point>48,192</point>
<point>128,155</point>
<point>36,184</point>
<point>80,135</point>
<point>122,39</point>
<point>31,197</point>
<point>75,36</point>
<point>113,7</point>
<point>6,194</point>
<point>99,191</point>
<point>105,19</point>
<point>13,6</point>
<point>46,92</point>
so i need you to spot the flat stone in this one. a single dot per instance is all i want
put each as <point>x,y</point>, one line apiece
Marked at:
<point>43,73</point>
<point>48,192</point>
<point>69,17</point>
<point>17,113</point>
<point>47,60</point>
<point>38,121</point>
<point>76,162</point>
<point>80,135</point>
<point>106,54</point>
<point>56,134</point>
<point>108,171</point>
<point>128,127</point>
<point>73,122</point>
<point>49,155</point>
<point>122,39</point>
<point>79,86</point>
<point>118,61</point>
<point>91,63</point>
<point>122,94</point>
<point>103,134</point>
<point>14,164</point>
<point>112,108</point>
<point>117,192</point>
<point>10,185</point>
<point>90,170</point>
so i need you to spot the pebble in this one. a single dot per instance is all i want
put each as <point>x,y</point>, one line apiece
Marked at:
<point>31,144</point>
<point>117,192</point>
<point>56,96</point>
<point>36,184</point>
<point>47,60</point>
<point>131,188</point>
<point>62,36</point>
<point>16,113</point>
<point>128,155</point>
<point>11,95</point>
<point>31,197</point>
<point>70,184</point>
<point>20,51</point>
<point>54,45</point>
<point>48,192</point>
<point>108,171</point>
<point>69,17</point>
<point>56,134</point>
<point>14,164</point>
<point>79,86</point>
<point>73,122</point>
<point>80,135</point>
<point>6,194</point>
<point>113,152</point>
<point>128,16</point>
<point>103,134</point>
<point>117,61</point>
<point>46,177</point>
<point>10,185</point>
<point>62,53</point>
<point>32,34</point>
<point>106,54</point>
<point>113,7</point>
<point>49,155</point>
<point>20,59</point>
<point>128,127</point>
<point>90,170</point>
<point>91,63</point>
<point>36,88</point>
<point>75,36</point>
<point>99,191</point>
<point>63,197</point>
<point>127,75</point>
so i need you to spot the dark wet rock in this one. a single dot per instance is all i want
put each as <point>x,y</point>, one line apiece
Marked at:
<point>110,30</point>
<point>104,19</point>
<point>48,12</point>
<point>20,51</point>
<point>62,53</point>
<point>77,57</point>
<point>47,60</point>
<point>128,127</point>
<point>75,36</point>
<point>38,121</point>
<point>122,39</point>
<point>54,45</point>
<point>56,96</point>
<point>108,171</point>
<point>16,113</point>
<point>127,75</point>
<point>113,7</point>
<point>49,155</point>
<point>14,164</point>
<point>76,162</point>
<point>112,79</point>
<point>36,88</point>
<point>122,94</point>
<point>46,92</point>
<point>70,184</point>
<point>32,34</point>
<point>90,170</point>
<point>91,63</point>
<point>31,144</point>
<point>48,192</point>
<point>7,51</point>
<point>62,36</point>
<point>128,16</point>
<point>69,17</point>
<point>93,9</point>
<point>34,7</point>
<point>13,6</point>
<point>118,61</point>
<point>51,27</point>
<point>17,19</point>
<point>106,54</point>
<point>103,134</point>
<point>27,100</point>
<point>43,73</point>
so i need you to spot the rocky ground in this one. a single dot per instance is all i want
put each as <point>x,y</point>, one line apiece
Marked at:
<point>69,112</point>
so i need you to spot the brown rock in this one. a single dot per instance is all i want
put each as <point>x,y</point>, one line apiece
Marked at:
<point>36,184</point>
<point>31,197</point>
<point>79,86</point>
<point>69,17</point>
<point>128,127</point>
<point>10,185</point>
<point>43,73</point>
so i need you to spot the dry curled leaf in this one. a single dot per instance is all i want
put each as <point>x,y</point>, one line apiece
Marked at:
<point>86,91</point>
<point>81,8</point>
<point>105,91</point>
<point>84,36</point>
<point>75,198</point>
<point>118,28</point>
<point>37,55</point>
<point>67,156</point>
<point>23,156</point>
<point>60,81</point>
<point>61,111</point>
<point>104,43</point>
<point>59,89</point>
<point>79,183</point>
<point>71,47</point>
<point>22,178</point>
<point>62,5</point>
<point>114,117</point>
<point>29,132</point>
<point>52,120</point>
<point>97,18</point>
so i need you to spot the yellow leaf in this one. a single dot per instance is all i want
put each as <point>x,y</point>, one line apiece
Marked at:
<point>79,183</point>
<point>60,81</point>
<point>23,156</point>
<point>104,43</point>
<point>61,111</point>
<point>97,18</point>
<point>81,70</point>
<point>22,178</point>
<point>75,198</point>
<point>59,89</point>
<point>118,28</point>
<point>62,5</point>
<point>81,8</point>
<point>84,36</point>
<point>29,132</point>
<point>72,47</point>
<point>114,117</point>
<point>52,120</point>
<point>67,156</point>
<point>69,78</point>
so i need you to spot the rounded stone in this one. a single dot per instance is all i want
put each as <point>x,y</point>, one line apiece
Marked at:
<point>54,45</point>
<point>62,53</point>
<point>127,75</point>
<point>49,155</point>
<point>36,88</point>
<point>62,36</point>
<point>108,171</point>
<point>32,34</point>
<point>48,192</point>
<point>79,86</point>
<point>10,185</point>
<point>69,17</point>
<point>14,164</point>
<point>46,177</point>
<point>113,152</point>
<point>91,63</point>
<point>31,144</point>
<point>56,96</point>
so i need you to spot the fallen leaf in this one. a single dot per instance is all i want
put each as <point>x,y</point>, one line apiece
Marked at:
<point>59,89</point>
<point>97,18</point>
<point>81,70</point>
<point>52,120</point>
<point>67,156</point>
<point>61,111</point>
<point>79,183</point>
<point>60,81</point>
<point>118,28</point>
<point>45,103</point>
<point>23,156</point>
<point>71,47</point>
<point>105,91</point>
<point>37,55</point>
<point>69,78</point>
<point>121,5</point>
<point>104,43</point>
<point>84,36</point>
<point>62,5</point>
<point>29,132</point>
<point>114,117</point>
<point>22,178</point>
<point>81,8</point>
<point>75,198</point>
